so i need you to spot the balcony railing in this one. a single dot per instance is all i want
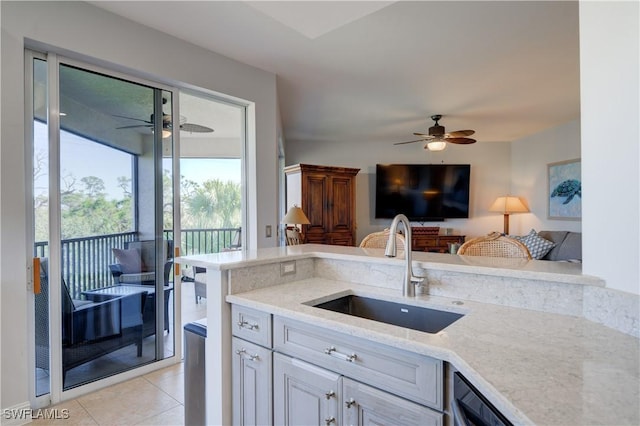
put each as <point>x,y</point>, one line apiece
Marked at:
<point>85,261</point>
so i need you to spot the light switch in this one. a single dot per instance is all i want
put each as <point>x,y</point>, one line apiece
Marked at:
<point>268,231</point>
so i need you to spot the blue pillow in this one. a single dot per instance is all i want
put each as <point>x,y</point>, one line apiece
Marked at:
<point>538,246</point>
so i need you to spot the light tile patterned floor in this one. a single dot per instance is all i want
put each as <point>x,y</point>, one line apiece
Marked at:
<point>156,398</point>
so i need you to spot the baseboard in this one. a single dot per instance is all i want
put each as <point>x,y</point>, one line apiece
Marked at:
<point>19,414</point>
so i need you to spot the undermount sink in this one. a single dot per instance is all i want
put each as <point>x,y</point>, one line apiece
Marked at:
<point>408,316</point>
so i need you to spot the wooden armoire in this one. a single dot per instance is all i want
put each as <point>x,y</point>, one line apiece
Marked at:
<point>327,195</point>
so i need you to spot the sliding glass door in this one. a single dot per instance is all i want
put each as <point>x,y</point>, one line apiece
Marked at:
<point>103,223</point>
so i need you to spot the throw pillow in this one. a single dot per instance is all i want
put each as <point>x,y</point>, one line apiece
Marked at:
<point>538,246</point>
<point>129,260</point>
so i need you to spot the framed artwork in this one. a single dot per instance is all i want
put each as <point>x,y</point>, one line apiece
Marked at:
<point>564,187</point>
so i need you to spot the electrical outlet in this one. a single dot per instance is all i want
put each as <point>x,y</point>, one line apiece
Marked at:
<point>288,268</point>
<point>268,231</point>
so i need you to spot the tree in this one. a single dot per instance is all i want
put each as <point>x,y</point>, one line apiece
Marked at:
<point>214,204</point>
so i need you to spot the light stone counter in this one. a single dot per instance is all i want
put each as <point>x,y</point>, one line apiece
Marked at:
<point>526,340</point>
<point>535,367</point>
<point>514,268</point>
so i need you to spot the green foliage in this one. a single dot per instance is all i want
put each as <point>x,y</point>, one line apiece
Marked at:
<point>214,204</point>
<point>86,210</point>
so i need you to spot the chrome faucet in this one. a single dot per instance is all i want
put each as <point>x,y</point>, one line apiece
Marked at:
<point>408,286</point>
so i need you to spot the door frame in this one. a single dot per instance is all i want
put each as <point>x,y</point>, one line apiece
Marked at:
<point>56,393</point>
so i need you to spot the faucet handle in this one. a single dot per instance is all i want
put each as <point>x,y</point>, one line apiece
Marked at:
<point>416,280</point>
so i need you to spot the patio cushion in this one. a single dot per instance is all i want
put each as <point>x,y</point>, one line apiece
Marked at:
<point>136,278</point>
<point>129,260</point>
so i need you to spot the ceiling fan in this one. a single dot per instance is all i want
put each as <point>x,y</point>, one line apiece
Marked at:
<point>437,138</point>
<point>167,125</point>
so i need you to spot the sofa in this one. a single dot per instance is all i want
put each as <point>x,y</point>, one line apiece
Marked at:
<point>568,245</point>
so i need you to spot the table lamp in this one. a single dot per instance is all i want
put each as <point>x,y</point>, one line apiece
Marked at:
<point>507,205</point>
<point>295,216</point>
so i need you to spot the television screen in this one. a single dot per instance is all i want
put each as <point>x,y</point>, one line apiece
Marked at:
<point>422,192</point>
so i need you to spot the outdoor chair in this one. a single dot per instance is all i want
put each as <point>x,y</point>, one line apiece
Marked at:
<point>89,329</point>
<point>135,263</point>
<point>495,245</point>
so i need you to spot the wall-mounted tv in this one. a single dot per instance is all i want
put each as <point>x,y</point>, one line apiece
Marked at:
<point>423,192</point>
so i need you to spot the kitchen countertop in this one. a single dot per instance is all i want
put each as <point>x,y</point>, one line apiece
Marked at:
<point>535,367</point>
<point>570,273</point>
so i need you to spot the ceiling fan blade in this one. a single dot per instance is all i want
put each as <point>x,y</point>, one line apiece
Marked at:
<point>461,141</point>
<point>131,118</point>
<point>195,128</point>
<point>421,134</point>
<point>461,133</point>
<point>402,143</point>
<point>134,126</point>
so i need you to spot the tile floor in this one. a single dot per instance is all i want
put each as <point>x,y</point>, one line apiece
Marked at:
<point>156,398</point>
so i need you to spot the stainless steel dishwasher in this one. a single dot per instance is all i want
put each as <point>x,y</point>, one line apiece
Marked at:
<point>195,334</point>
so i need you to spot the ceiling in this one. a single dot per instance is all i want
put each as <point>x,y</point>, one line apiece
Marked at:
<point>375,71</point>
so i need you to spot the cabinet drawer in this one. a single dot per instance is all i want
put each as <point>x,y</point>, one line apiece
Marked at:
<point>367,405</point>
<point>251,325</point>
<point>412,376</point>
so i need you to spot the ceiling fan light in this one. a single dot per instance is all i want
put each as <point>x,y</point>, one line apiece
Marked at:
<point>437,145</point>
<point>165,133</point>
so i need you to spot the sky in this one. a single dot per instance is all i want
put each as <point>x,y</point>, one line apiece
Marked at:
<point>81,157</point>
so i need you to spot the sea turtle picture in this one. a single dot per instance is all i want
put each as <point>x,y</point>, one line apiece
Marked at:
<point>569,188</point>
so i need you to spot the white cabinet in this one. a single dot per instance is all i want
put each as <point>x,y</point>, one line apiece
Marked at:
<point>251,386</point>
<point>251,367</point>
<point>366,405</point>
<point>304,394</point>
<point>412,376</point>
<point>300,374</point>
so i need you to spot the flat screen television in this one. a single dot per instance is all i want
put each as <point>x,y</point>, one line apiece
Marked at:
<point>422,192</point>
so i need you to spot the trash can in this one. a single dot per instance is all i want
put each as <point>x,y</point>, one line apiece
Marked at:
<point>194,373</point>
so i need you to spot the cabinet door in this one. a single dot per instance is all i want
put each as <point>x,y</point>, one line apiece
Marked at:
<point>315,193</point>
<point>341,204</point>
<point>304,394</point>
<point>364,405</point>
<point>251,387</point>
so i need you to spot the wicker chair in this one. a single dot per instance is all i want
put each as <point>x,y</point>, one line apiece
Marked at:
<point>379,240</point>
<point>494,245</point>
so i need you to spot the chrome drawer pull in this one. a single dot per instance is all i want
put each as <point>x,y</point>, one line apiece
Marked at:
<point>350,402</point>
<point>330,394</point>
<point>246,324</point>
<point>329,420</point>
<point>333,352</point>
<point>243,353</point>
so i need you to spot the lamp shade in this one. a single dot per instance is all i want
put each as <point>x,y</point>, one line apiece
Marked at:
<point>507,205</point>
<point>296,216</point>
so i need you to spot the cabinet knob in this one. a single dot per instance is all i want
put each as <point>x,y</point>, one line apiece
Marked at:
<point>243,353</point>
<point>246,324</point>
<point>329,420</point>
<point>330,394</point>
<point>350,402</point>
<point>332,351</point>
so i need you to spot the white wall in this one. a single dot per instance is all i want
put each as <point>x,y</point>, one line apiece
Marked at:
<point>529,159</point>
<point>609,90</point>
<point>490,171</point>
<point>89,33</point>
